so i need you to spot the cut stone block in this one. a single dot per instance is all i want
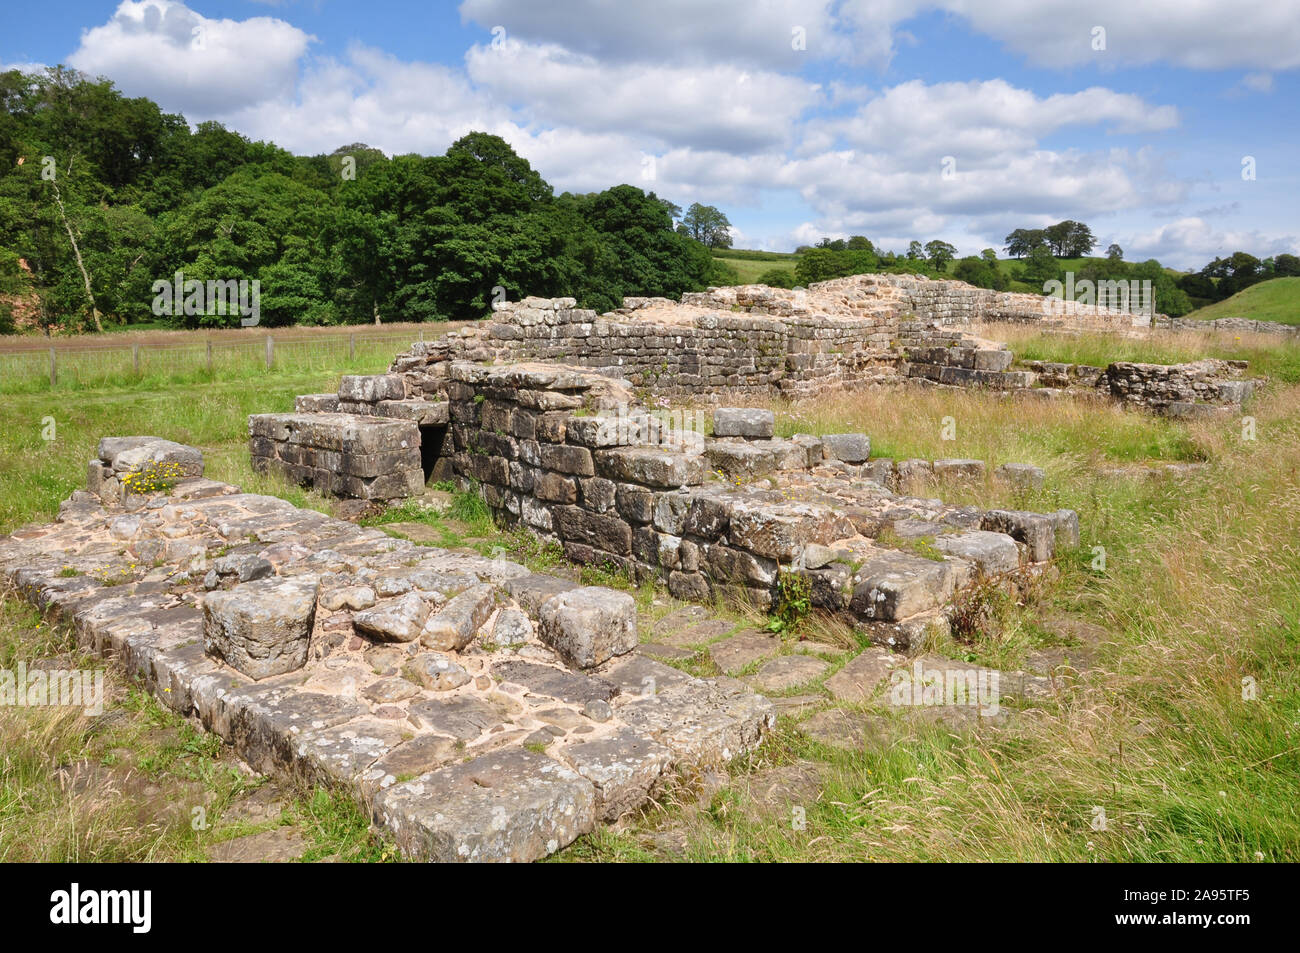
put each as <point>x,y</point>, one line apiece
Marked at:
<point>862,678</point>
<point>651,467</point>
<point>394,620</point>
<point>894,585</point>
<point>787,672</point>
<point>511,805</point>
<point>437,672</point>
<point>128,454</point>
<point>624,768</point>
<point>454,626</point>
<point>1036,531</point>
<point>702,722</point>
<point>847,447</point>
<point>261,628</point>
<point>957,469</point>
<point>1022,476</point>
<point>748,422</point>
<point>423,412</point>
<point>993,553</point>
<point>590,625</point>
<point>740,651</point>
<point>372,388</point>
<point>536,589</point>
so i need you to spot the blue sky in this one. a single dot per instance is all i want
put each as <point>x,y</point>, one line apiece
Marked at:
<point>896,119</point>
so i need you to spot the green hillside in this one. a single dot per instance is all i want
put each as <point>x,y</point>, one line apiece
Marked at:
<point>1277,299</point>
<point>750,264</point>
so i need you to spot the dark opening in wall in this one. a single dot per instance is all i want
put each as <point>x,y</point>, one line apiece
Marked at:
<point>435,466</point>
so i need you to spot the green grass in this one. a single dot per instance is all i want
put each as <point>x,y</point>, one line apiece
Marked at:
<point>1267,354</point>
<point>1202,587</point>
<point>750,264</point>
<point>175,365</point>
<point>136,783</point>
<point>1277,299</point>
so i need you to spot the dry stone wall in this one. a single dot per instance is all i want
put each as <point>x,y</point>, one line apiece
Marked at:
<point>478,711</point>
<point>571,455</point>
<point>836,335</point>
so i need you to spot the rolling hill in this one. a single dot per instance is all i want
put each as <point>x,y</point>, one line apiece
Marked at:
<point>1277,299</point>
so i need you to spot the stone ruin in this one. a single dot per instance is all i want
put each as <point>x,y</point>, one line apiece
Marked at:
<point>481,711</point>
<point>485,712</point>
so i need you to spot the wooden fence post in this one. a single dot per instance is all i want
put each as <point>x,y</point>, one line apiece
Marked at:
<point>135,358</point>
<point>209,356</point>
<point>352,347</point>
<point>270,351</point>
<point>54,373</point>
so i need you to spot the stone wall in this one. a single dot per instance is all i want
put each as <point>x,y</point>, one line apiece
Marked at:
<point>571,455</point>
<point>1231,325</point>
<point>754,340</point>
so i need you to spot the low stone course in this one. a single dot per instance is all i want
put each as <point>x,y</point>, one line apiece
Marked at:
<point>472,741</point>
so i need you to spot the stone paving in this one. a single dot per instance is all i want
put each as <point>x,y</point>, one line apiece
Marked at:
<point>483,711</point>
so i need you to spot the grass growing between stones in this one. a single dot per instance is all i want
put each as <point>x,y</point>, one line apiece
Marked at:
<point>1268,354</point>
<point>1200,591</point>
<point>1201,588</point>
<point>138,783</point>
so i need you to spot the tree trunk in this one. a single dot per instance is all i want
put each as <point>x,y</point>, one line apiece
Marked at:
<point>81,265</point>
<point>375,306</point>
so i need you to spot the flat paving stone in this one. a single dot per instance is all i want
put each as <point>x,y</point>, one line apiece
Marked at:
<point>278,846</point>
<point>512,805</point>
<point>863,677</point>
<point>787,672</point>
<point>700,632</point>
<point>742,650</point>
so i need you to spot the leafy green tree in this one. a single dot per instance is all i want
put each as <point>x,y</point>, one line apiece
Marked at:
<point>1114,252</point>
<point>980,273</point>
<point>1021,242</point>
<point>1041,266</point>
<point>1286,265</point>
<point>915,251</point>
<point>939,254</point>
<point>707,225</point>
<point>777,278</point>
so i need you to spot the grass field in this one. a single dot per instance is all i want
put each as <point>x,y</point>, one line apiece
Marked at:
<point>1277,299</point>
<point>750,264</point>
<point>1201,588</point>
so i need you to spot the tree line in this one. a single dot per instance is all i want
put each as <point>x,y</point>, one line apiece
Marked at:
<point>102,195</point>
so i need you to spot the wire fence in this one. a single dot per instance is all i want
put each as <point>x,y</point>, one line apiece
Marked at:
<point>81,366</point>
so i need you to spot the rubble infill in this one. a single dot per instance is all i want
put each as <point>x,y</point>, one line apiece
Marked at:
<point>419,680</point>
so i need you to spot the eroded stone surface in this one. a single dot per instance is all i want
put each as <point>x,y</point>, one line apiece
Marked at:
<point>325,690</point>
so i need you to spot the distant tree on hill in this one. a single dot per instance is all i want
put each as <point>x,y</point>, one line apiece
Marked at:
<point>980,273</point>
<point>990,256</point>
<point>1069,239</point>
<point>860,243</point>
<point>915,251</point>
<point>1114,252</point>
<point>707,225</point>
<point>1023,241</point>
<point>939,253</point>
<point>776,278</point>
<point>1286,266</point>
<point>1041,266</point>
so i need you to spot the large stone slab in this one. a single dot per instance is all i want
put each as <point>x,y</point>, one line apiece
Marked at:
<point>261,628</point>
<point>590,625</point>
<point>509,805</point>
<point>749,422</point>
